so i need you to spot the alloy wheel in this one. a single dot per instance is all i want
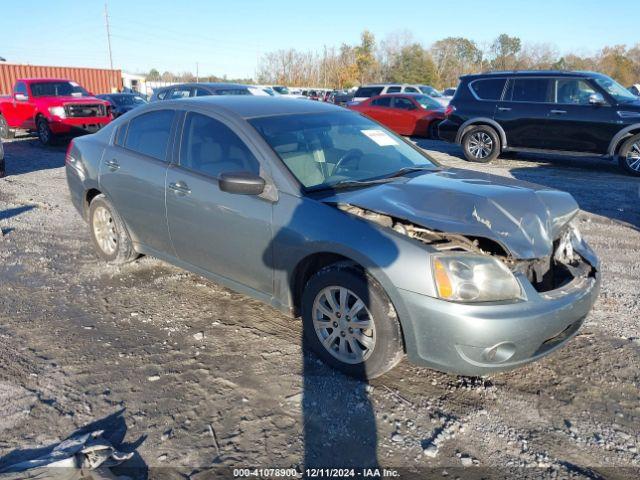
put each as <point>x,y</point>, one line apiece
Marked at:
<point>344,325</point>
<point>480,145</point>
<point>4,128</point>
<point>43,132</point>
<point>104,229</point>
<point>633,157</point>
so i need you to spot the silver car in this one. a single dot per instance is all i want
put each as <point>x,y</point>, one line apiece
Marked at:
<point>327,215</point>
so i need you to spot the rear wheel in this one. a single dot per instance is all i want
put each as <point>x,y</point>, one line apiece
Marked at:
<point>108,232</point>
<point>433,130</point>
<point>350,323</point>
<point>5,131</point>
<point>629,157</point>
<point>481,144</point>
<point>45,135</point>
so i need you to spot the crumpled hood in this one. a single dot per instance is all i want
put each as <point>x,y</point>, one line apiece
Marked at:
<point>523,217</point>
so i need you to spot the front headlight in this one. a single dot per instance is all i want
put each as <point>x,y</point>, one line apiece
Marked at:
<point>462,277</point>
<point>57,112</point>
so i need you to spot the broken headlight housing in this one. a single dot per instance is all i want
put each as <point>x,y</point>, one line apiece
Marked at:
<point>464,277</point>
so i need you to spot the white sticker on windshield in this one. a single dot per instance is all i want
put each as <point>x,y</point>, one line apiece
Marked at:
<point>74,84</point>
<point>381,137</point>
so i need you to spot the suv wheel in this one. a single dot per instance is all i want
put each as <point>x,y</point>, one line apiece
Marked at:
<point>45,135</point>
<point>5,131</point>
<point>481,144</point>
<point>629,158</point>
<point>350,323</point>
<point>108,232</point>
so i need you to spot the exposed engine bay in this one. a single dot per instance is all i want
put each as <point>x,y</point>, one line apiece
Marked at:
<point>545,274</point>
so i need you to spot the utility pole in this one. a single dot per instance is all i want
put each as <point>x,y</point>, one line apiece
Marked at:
<point>106,19</point>
<point>197,72</point>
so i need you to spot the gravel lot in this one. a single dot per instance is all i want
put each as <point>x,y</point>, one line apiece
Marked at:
<point>196,376</point>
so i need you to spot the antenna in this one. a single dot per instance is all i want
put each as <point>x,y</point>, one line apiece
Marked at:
<point>106,20</point>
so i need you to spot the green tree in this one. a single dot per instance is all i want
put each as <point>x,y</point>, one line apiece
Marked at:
<point>413,64</point>
<point>453,57</point>
<point>505,50</point>
<point>153,75</point>
<point>365,59</point>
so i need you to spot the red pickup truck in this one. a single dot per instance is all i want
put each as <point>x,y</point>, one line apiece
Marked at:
<point>51,107</point>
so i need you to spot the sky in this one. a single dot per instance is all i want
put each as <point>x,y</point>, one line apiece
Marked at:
<point>228,37</point>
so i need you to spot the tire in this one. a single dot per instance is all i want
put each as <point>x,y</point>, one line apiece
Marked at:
<point>45,135</point>
<point>433,130</point>
<point>5,131</point>
<point>629,156</point>
<point>481,144</point>
<point>383,348</point>
<point>109,234</point>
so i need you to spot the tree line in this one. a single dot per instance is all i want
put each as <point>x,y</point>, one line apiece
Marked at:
<point>400,58</point>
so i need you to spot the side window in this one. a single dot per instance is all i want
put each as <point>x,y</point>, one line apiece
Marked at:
<point>573,90</point>
<point>179,92</point>
<point>382,102</point>
<point>211,148</point>
<point>21,87</point>
<point>411,90</point>
<point>489,89</point>
<point>535,90</point>
<point>403,103</point>
<point>148,133</point>
<point>201,92</point>
<point>121,133</point>
<point>393,89</point>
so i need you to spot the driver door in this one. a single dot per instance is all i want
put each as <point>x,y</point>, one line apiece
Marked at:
<point>222,233</point>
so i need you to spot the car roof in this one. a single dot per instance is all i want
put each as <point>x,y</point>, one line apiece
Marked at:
<point>212,85</point>
<point>532,73</point>
<point>249,106</point>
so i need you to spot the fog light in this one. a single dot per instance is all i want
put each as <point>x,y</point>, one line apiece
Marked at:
<point>499,353</point>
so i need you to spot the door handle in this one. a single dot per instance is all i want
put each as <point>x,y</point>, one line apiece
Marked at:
<point>558,112</point>
<point>113,165</point>
<point>504,109</point>
<point>180,188</point>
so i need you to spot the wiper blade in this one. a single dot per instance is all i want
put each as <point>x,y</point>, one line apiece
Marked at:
<point>405,170</point>
<point>352,183</point>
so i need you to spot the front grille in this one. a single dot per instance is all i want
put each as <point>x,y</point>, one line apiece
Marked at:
<point>85,110</point>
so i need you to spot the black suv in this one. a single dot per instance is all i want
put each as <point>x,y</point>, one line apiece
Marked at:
<point>544,111</point>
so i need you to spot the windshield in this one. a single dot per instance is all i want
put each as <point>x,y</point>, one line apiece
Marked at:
<point>616,90</point>
<point>432,92</point>
<point>282,90</point>
<point>58,89</point>
<point>427,103</point>
<point>124,100</point>
<point>324,149</point>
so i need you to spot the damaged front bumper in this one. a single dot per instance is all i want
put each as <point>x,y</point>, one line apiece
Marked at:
<point>481,338</point>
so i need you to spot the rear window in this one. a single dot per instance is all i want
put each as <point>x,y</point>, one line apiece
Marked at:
<point>535,90</point>
<point>367,92</point>
<point>489,89</point>
<point>148,133</point>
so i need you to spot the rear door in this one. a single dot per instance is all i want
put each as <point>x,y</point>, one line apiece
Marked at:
<point>219,232</point>
<point>576,124</point>
<point>132,174</point>
<point>523,112</point>
<point>380,110</point>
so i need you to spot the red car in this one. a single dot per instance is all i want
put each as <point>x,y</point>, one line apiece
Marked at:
<point>51,107</point>
<point>407,114</point>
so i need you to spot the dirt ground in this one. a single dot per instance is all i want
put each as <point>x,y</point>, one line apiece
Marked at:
<point>194,376</point>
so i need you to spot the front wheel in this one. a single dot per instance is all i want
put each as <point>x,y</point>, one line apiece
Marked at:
<point>108,232</point>
<point>629,158</point>
<point>350,323</point>
<point>45,135</point>
<point>481,144</point>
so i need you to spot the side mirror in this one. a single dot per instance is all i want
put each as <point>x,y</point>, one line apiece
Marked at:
<point>21,97</point>
<point>596,99</point>
<point>242,183</point>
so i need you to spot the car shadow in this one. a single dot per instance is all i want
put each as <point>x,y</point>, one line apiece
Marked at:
<point>339,422</point>
<point>14,212</point>
<point>26,154</point>
<point>115,431</point>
